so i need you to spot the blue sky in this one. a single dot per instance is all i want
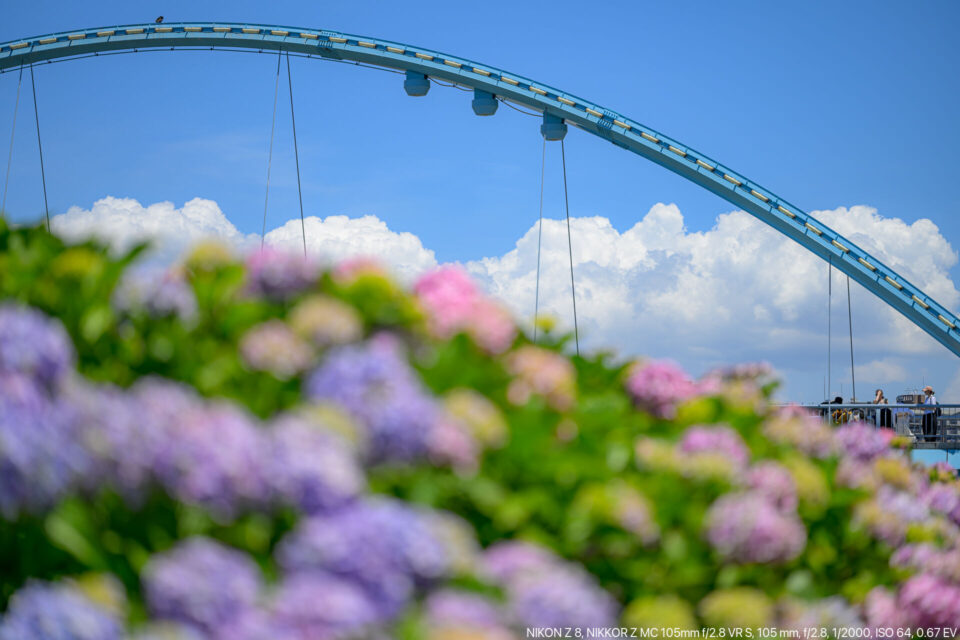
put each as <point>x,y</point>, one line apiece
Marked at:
<point>827,104</point>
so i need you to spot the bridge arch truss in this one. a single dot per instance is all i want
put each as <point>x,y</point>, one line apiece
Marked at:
<point>556,106</point>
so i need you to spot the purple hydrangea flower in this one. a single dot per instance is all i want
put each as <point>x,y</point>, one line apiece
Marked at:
<point>200,582</point>
<point>775,483</point>
<point>42,611</point>
<point>930,602</point>
<point>864,442</point>
<point>545,591</point>
<point>382,545</point>
<point>506,560</point>
<point>321,607</point>
<point>119,439</point>
<point>944,498</point>
<point>311,469</point>
<point>157,293</point>
<point>40,456</point>
<point>745,527</point>
<point>659,386</point>
<point>561,597</point>
<point>374,383</point>
<point>34,345</point>
<point>719,440</point>
<point>279,275</point>
<point>214,456</point>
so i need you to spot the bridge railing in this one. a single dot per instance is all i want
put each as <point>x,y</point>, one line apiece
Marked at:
<point>928,426</point>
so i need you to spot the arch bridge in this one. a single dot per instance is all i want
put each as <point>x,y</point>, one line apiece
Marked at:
<point>558,109</point>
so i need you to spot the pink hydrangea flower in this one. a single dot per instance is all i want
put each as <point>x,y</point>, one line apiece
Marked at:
<point>882,612</point>
<point>456,305</point>
<point>541,372</point>
<point>352,268</point>
<point>859,440</point>
<point>775,483</point>
<point>931,602</point>
<point>720,440</point>
<point>658,386</point>
<point>744,527</point>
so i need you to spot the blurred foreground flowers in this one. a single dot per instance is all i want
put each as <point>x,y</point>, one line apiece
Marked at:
<point>263,448</point>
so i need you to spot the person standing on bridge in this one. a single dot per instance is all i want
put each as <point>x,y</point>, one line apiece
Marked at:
<point>883,415</point>
<point>929,415</point>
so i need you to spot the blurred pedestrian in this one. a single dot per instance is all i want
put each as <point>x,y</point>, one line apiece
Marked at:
<point>883,415</point>
<point>930,415</point>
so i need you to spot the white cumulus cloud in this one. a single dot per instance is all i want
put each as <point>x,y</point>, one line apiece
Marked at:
<point>737,291</point>
<point>337,237</point>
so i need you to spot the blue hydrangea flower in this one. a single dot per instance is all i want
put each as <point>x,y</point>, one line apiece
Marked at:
<point>200,582</point>
<point>376,385</point>
<point>322,607</point>
<point>117,436</point>
<point>382,545</point>
<point>44,611</point>
<point>545,591</point>
<point>311,469</point>
<point>40,456</point>
<point>214,457</point>
<point>34,345</point>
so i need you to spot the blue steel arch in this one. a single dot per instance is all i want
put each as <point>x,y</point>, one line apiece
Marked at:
<point>624,132</point>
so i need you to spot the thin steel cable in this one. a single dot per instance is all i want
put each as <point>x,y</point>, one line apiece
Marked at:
<point>536,299</point>
<point>444,84</point>
<point>13,130</point>
<point>853,375</point>
<point>296,155</point>
<point>573,289</point>
<point>523,111</point>
<point>829,321</point>
<point>273,125</point>
<point>43,177</point>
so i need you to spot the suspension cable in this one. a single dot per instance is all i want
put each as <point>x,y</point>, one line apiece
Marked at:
<point>43,178</point>
<point>296,155</point>
<point>273,124</point>
<point>536,299</point>
<point>13,130</point>
<point>573,290</point>
<point>853,375</point>
<point>829,320</point>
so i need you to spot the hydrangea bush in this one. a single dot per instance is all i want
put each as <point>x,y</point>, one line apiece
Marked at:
<point>263,447</point>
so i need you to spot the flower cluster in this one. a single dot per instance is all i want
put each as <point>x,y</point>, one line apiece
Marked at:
<point>544,591</point>
<point>544,373</point>
<point>57,612</point>
<point>274,347</point>
<point>658,386</point>
<point>746,527</point>
<point>279,275</point>
<point>455,305</point>
<point>394,475</point>
<point>157,293</point>
<point>374,383</point>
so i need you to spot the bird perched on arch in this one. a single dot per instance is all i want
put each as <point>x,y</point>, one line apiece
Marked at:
<point>159,20</point>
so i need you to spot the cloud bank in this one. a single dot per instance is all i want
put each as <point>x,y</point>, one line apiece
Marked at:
<point>738,291</point>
